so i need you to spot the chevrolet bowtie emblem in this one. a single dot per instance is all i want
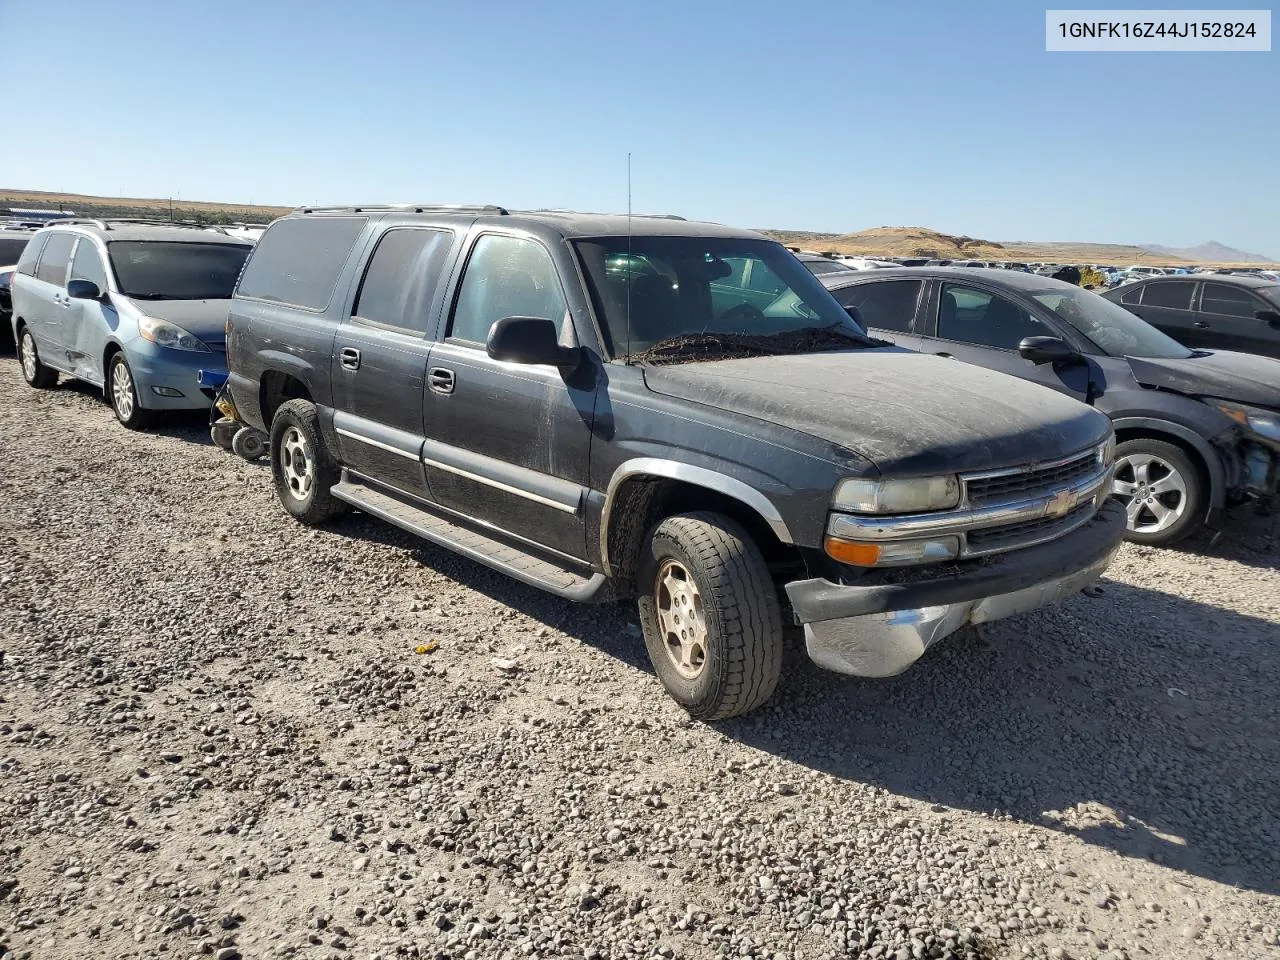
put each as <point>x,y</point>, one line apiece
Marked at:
<point>1060,504</point>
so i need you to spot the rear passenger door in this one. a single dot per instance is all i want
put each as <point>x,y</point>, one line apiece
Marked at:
<point>380,357</point>
<point>1166,305</point>
<point>508,444</point>
<point>49,306</point>
<point>886,308</point>
<point>1228,320</point>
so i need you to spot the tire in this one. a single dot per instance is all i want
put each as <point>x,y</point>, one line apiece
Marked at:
<point>33,371</point>
<point>301,468</point>
<point>122,394</point>
<point>249,444</point>
<point>1162,489</point>
<point>223,431</point>
<point>707,562</point>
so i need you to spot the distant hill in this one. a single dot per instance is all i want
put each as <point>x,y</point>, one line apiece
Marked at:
<point>89,206</point>
<point>1207,251</point>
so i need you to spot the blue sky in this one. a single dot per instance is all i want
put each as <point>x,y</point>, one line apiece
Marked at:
<point>818,115</point>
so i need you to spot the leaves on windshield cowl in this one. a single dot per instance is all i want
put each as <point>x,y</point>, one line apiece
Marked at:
<point>734,346</point>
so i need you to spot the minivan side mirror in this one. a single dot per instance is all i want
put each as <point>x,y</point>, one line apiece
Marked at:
<point>83,290</point>
<point>1047,350</point>
<point>1269,317</point>
<point>530,340</point>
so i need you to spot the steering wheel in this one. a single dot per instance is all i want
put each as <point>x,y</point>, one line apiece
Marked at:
<point>743,311</point>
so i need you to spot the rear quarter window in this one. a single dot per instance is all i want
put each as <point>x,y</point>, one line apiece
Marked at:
<point>298,260</point>
<point>31,254</point>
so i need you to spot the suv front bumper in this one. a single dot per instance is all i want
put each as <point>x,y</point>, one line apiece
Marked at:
<point>879,631</point>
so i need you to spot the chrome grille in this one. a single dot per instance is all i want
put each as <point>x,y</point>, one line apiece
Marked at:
<point>1027,533</point>
<point>1031,483</point>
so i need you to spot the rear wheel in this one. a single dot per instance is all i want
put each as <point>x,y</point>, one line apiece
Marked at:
<point>301,467</point>
<point>1161,489</point>
<point>710,615</point>
<point>122,392</point>
<point>33,371</point>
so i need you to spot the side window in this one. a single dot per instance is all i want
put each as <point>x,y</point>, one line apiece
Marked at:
<point>886,305</point>
<point>506,277</point>
<point>1229,301</point>
<point>1133,294</point>
<point>764,280</point>
<point>973,316</point>
<point>31,254</point>
<point>1171,294</point>
<point>53,262</point>
<point>87,265</point>
<point>402,278</point>
<point>298,260</point>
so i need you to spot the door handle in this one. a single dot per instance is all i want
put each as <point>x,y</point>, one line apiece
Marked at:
<point>440,380</point>
<point>1201,324</point>
<point>350,358</point>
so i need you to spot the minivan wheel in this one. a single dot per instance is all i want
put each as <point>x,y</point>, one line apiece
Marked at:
<point>122,393</point>
<point>709,613</point>
<point>33,371</point>
<point>1161,489</point>
<point>301,467</point>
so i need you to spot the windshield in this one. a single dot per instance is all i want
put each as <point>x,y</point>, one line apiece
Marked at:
<point>1115,331</point>
<point>151,270</point>
<point>819,267</point>
<point>699,289</point>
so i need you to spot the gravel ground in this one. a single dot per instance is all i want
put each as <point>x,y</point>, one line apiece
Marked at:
<point>217,739</point>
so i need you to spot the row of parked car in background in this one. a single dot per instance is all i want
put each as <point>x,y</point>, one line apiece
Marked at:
<point>676,413</point>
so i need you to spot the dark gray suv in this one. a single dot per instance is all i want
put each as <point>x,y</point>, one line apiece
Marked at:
<point>614,407</point>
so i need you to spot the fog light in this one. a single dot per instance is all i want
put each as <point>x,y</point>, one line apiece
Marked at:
<point>166,391</point>
<point>897,553</point>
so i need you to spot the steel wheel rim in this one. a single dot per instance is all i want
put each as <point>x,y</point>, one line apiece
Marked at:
<point>28,356</point>
<point>1153,490</point>
<point>122,389</point>
<point>297,465</point>
<point>681,619</point>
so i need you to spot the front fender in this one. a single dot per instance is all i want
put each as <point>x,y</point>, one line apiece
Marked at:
<point>1212,458</point>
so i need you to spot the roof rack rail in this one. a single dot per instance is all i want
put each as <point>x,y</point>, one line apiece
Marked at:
<point>79,221</point>
<point>104,223</point>
<point>588,213</point>
<point>410,208</point>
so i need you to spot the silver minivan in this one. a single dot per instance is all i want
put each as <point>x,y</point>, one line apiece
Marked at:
<point>136,308</point>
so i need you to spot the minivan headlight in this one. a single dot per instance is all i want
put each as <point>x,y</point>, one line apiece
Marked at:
<point>914,495</point>
<point>1265,423</point>
<point>170,335</point>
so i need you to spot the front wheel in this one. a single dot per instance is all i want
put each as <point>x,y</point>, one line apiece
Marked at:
<point>301,467</point>
<point>710,615</point>
<point>33,371</point>
<point>1161,489</point>
<point>122,392</point>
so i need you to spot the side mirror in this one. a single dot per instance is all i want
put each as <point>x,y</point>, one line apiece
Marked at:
<point>83,290</point>
<point>1047,350</point>
<point>530,340</point>
<point>1269,317</point>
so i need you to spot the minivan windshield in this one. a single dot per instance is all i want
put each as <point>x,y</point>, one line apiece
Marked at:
<point>670,299</point>
<point>165,270</point>
<point>1115,331</point>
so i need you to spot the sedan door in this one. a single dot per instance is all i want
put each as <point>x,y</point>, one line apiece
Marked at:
<point>887,308</point>
<point>1166,305</point>
<point>1228,320</point>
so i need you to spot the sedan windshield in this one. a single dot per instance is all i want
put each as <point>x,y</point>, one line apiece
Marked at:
<point>710,298</point>
<point>158,270</point>
<point>1115,331</point>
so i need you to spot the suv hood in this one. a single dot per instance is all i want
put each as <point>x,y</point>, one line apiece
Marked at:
<point>907,413</point>
<point>205,319</point>
<point>1242,377</point>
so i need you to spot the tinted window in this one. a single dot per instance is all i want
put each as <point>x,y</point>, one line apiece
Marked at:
<point>506,277</point>
<point>1231,301</point>
<point>53,262</point>
<point>161,270</point>
<point>1133,294</point>
<point>1175,295</point>
<point>973,316</point>
<point>30,254</point>
<point>87,265</point>
<point>889,305</point>
<point>11,249</point>
<point>820,267</point>
<point>298,260</point>
<point>402,278</point>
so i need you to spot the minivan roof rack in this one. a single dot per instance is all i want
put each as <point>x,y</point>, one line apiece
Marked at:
<point>410,208</point>
<point>79,221</point>
<point>104,223</point>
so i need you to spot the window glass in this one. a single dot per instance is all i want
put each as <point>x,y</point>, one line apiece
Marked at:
<point>1229,301</point>
<point>30,254</point>
<point>887,305</point>
<point>53,262</point>
<point>973,316</point>
<point>87,265</point>
<point>402,278</point>
<point>298,260</point>
<point>1115,330</point>
<point>1173,294</point>
<point>11,249</point>
<point>820,267</point>
<point>165,270</point>
<point>506,277</point>
<point>1133,294</point>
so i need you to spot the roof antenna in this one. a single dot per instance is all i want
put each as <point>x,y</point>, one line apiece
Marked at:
<point>628,273</point>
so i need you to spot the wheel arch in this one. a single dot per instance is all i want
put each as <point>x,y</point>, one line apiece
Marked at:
<point>277,387</point>
<point>1200,450</point>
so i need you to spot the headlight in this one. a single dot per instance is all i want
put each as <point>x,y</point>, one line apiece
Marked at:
<point>170,335</point>
<point>1265,423</point>
<point>1107,452</point>
<point>916,495</point>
